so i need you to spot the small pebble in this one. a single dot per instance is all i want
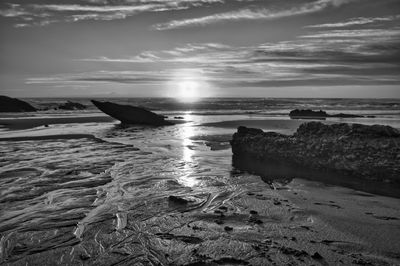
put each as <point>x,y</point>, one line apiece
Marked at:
<point>228,228</point>
<point>223,208</point>
<point>84,256</point>
<point>316,256</point>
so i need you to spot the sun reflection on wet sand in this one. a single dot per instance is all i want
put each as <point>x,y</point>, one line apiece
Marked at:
<point>187,143</point>
<point>187,154</point>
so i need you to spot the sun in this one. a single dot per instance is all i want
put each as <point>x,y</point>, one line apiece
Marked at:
<point>189,91</point>
<point>188,85</point>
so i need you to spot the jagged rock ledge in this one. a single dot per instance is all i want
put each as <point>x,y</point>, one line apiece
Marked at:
<point>351,150</point>
<point>72,106</point>
<point>304,114</point>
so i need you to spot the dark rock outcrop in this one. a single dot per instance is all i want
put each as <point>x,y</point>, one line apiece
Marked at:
<point>350,150</point>
<point>318,114</point>
<point>72,106</point>
<point>128,114</point>
<point>8,104</point>
<point>307,113</point>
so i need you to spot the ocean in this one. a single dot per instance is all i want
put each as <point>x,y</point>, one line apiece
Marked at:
<point>104,195</point>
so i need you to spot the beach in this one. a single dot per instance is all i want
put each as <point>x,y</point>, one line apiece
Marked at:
<point>200,133</point>
<point>87,190</point>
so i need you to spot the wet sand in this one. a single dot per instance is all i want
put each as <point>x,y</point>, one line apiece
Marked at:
<point>50,137</point>
<point>370,219</point>
<point>77,201</point>
<point>31,122</point>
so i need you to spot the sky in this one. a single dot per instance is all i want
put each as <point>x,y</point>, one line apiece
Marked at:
<point>200,48</point>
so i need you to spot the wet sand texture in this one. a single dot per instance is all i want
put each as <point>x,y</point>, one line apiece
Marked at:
<point>26,123</point>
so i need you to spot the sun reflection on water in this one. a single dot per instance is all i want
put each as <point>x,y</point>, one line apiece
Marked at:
<point>187,154</point>
<point>187,143</point>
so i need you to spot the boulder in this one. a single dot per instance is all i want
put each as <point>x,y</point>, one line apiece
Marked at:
<point>128,114</point>
<point>8,104</point>
<point>350,150</point>
<point>72,106</point>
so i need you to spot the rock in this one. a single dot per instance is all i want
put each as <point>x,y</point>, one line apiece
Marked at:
<point>293,252</point>
<point>316,256</point>
<point>307,113</point>
<point>249,131</point>
<point>347,150</point>
<point>84,256</point>
<point>295,114</point>
<point>341,115</point>
<point>8,104</point>
<point>223,208</point>
<point>130,114</point>
<point>317,129</point>
<point>72,106</point>
<point>178,200</point>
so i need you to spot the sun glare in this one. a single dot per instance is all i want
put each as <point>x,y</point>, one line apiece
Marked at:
<point>188,85</point>
<point>188,91</point>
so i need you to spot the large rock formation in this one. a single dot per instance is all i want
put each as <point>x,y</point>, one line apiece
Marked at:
<point>307,113</point>
<point>8,104</point>
<point>350,150</point>
<point>317,114</point>
<point>128,114</point>
<point>72,106</point>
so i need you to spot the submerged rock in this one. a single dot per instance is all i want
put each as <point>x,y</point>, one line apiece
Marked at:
<point>8,104</point>
<point>72,106</point>
<point>350,150</point>
<point>128,114</point>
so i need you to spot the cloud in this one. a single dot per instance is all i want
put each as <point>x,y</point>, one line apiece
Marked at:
<point>359,33</point>
<point>42,14</point>
<point>250,14</point>
<point>323,56</point>
<point>121,77</point>
<point>355,22</point>
<point>196,53</point>
<point>301,62</point>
